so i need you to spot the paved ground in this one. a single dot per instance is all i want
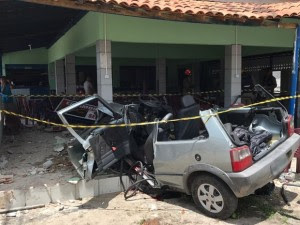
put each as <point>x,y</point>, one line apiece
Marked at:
<point>143,210</point>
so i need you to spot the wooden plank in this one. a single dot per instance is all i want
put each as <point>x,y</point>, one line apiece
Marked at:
<point>3,211</point>
<point>157,14</point>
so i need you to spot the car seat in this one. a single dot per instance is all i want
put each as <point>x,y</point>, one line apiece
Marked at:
<point>187,129</point>
<point>162,135</point>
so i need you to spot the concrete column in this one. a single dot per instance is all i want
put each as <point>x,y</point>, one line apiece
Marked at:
<point>70,74</point>
<point>233,69</point>
<point>51,76</point>
<point>104,70</point>
<point>59,71</point>
<point>161,75</point>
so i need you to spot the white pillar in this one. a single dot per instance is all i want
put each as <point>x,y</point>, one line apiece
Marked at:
<point>104,70</point>
<point>59,71</point>
<point>161,75</point>
<point>233,69</point>
<point>70,74</point>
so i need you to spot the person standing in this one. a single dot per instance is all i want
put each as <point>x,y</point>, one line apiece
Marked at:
<point>187,82</point>
<point>269,82</point>
<point>5,92</point>
<point>88,86</point>
<point>10,122</point>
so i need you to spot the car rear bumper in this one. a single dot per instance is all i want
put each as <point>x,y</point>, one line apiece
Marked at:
<point>266,169</point>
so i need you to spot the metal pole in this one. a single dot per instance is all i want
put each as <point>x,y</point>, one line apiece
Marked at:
<point>295,72</point>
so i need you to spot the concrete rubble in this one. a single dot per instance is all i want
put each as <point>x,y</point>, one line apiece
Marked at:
<point>6,179</point>
<point>47,164</point>
<point>12,214</point>
<point>3,162</point>
<point>287,177</point>
<point>31,161</point>
<point>60,144</point>
<point>74,180</point>
<point>40,175</point>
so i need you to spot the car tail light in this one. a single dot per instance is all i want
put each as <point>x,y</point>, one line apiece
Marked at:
<point>290,122</point>
<point>241,158</point>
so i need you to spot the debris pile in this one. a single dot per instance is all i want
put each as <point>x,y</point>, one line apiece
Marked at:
<point>3,162</point>
<point>287,177</point>
<point>47,164</point>
<point>256,140</point>
<point>60,144</point>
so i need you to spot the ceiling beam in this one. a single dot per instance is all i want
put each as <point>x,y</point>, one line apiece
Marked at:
<point>157,14</point>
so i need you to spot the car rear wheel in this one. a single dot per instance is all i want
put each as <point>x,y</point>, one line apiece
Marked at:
<point>213,197</point>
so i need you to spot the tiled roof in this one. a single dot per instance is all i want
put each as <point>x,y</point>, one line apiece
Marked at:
<point>216,8</point>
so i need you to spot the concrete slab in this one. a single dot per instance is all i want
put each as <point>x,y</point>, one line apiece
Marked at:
<point>38,195</point>
<point>62,192</point>
<point>87,189</point>
<point>112,184</point>
<point>12,199</point>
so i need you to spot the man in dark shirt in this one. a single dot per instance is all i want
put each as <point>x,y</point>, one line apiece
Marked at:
<point>269,82</point>
<point>187,81</point>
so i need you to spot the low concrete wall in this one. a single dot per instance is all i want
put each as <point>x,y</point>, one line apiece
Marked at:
<point>61,192</point>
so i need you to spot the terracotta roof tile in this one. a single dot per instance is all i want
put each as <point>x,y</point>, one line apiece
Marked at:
<point>209,7</point>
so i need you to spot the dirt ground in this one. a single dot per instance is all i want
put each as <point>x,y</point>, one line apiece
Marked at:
<point>112,209</point>
<point>23,156</point>
<point>26,153</point>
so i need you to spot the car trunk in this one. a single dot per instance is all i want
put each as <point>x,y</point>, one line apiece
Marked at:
<point>270,121</point>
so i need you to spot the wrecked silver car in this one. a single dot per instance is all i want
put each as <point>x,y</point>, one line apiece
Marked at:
<point>217,158</point>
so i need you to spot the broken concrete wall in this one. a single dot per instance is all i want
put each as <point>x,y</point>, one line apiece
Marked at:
<point>33,196</point>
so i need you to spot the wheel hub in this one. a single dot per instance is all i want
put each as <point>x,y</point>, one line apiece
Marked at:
<point>210,198</point>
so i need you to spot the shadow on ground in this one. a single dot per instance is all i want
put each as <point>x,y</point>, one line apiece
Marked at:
<point>99,202</point>
<point>253,206</point>
<point>251,209</point>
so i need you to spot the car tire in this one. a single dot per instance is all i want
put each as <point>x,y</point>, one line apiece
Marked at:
<point>213,197</point>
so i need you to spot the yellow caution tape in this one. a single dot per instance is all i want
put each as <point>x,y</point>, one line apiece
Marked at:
<point>115,95</point>
<point>126,95</point>
<point>170,94</point>
<point>144,123</point>
<point>48,96</point>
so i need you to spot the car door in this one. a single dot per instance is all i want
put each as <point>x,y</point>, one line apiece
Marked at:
<point>170,158</point>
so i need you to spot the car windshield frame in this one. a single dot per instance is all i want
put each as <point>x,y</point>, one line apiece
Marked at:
<point>110,111</point>
<point>259,89</point>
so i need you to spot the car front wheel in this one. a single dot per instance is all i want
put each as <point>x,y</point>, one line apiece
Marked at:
<point>213,197</point>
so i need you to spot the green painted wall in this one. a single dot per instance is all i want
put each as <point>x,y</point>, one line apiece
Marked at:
<point>82,35</point>
<point>171,51</point>
<point>34,56</point>
<point>132,30</point>
<point>171,32</point>
<point>152,51</point>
